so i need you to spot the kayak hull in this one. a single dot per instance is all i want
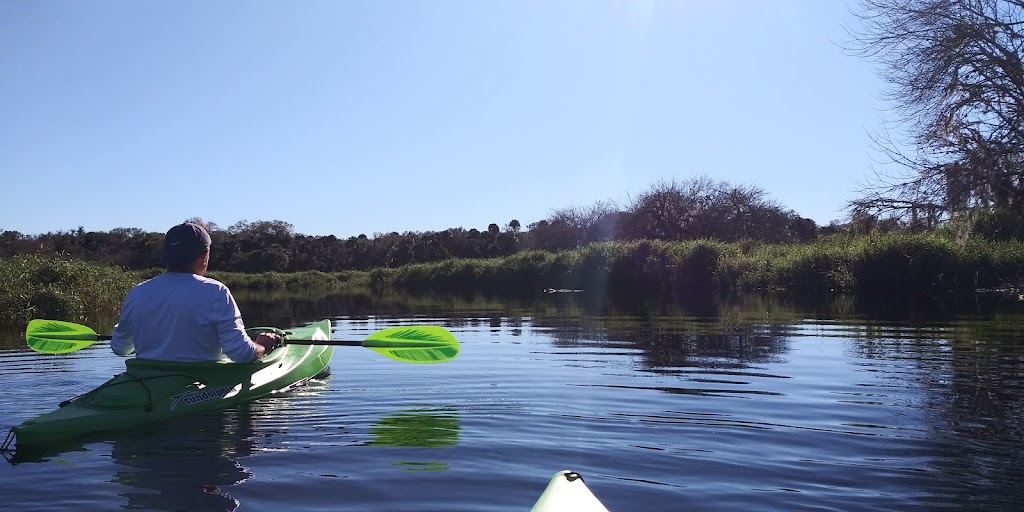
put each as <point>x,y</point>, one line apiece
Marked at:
<point>567,492</point>
<point>154,391</point>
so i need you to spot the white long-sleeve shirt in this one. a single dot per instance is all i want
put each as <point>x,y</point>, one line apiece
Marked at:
<point>182,317</point>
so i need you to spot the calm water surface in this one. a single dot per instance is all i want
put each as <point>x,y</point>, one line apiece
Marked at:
<point>746,410</point>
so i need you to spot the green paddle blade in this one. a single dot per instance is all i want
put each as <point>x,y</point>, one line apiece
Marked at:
<point>414,344</point>
<point>418,355</point>
<point>56,337</point>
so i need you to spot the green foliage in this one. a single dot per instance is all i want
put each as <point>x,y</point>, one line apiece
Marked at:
<point>272,246</point>
<point>911,264</point>
<point>311,279</point>
<point>999,224</point>
<point>662,268</point>
<point>38,286</point>
<point>923,263</point>
<point>59,287</point>
<point>904,263</point>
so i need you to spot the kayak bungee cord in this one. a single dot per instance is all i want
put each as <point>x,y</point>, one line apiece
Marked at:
<point>6,446</point>
<point>140,380</point>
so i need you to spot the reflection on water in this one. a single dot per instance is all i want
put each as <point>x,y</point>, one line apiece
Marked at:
<point>434,465</point>
<point>422,427</point>
<point>187,464</point>
<point>749,403</point>
<point>426,427</point>
<point>184,464</point>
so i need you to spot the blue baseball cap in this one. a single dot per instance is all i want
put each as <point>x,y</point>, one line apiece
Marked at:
<point>184,243</point>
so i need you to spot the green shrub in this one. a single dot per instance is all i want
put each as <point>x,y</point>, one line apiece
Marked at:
<point>928,263</point>
<point>38,286</point>
<point>310,279</point>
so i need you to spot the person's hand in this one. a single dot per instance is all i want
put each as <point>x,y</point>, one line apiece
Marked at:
<point>268,340</point>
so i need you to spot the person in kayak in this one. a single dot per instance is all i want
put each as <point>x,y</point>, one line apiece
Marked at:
<point>181,315</point>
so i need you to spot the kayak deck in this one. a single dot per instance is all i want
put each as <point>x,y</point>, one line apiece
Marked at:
<point>152,391</point>
<point>567,492</point>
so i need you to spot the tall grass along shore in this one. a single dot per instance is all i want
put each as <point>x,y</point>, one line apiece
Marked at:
<point>927,264</point>
<point>907,264</point>
<point>44,286</point>
<point>56,287</point>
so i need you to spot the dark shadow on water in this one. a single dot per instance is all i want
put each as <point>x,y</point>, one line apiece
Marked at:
<point>189,466</point>
<point>283,307</point>
<point>189,463</point>
<point>964,355</point>
<point>192,463</point>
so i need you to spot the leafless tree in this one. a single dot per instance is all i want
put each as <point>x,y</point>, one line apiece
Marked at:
<point>956,79</point>
<point>702,207</point>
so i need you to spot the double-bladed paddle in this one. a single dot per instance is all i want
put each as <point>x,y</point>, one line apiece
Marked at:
<point>410,343</point>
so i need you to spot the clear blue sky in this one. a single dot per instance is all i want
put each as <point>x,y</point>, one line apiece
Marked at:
<point>348,117</point>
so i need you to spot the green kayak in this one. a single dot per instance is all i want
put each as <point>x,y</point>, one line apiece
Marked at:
<point>152,391</point>
<point>568,492</point>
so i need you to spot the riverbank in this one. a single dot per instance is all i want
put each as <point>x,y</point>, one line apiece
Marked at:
<point>925,266</point>
<point>905,264</point>
<point>43,286</point>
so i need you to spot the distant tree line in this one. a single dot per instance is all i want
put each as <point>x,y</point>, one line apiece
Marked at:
<point>697,208</point>
<point>269,246</point>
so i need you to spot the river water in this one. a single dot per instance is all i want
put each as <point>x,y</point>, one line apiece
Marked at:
<point>754,405</point>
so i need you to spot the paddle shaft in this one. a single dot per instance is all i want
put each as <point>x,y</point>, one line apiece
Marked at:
<point>408,344</point>
<point>289,341</point>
